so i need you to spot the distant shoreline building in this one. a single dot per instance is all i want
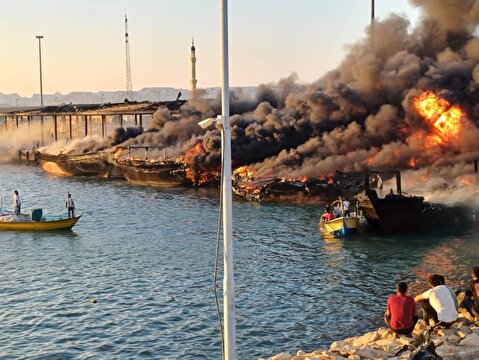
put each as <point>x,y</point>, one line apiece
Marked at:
<point>193,67</point>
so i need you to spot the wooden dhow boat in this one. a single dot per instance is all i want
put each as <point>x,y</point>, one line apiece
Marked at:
<point>89,164</point>
<point>398,212</point>
<point>166,172</point>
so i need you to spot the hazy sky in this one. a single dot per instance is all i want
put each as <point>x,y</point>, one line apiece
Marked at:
<point>83,48</point>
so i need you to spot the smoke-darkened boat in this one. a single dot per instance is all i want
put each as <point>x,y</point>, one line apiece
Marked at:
<point>323,189</point>
<point>90,164</point>
<point>162,173</point>
<point>397,212</point>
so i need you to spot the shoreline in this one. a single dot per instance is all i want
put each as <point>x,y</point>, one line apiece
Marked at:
<point>459,342</point>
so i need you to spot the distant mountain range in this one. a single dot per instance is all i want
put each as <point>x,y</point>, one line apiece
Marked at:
<point>80,97</point>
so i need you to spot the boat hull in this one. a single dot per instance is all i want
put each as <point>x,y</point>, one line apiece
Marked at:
<point>43,225</point>
<point>399,213</point>
<point>92,164</point>
<point>165,174</point>
<point>341,226</point>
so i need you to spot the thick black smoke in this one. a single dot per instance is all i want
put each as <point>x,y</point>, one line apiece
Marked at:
<point>357,116</point>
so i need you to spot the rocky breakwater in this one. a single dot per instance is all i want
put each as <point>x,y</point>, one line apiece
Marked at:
<point>460,341</point>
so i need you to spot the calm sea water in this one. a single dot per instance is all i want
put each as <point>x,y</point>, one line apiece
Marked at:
<point>147,256</point>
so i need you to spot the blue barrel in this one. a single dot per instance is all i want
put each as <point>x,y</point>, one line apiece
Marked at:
<point>36,214</point>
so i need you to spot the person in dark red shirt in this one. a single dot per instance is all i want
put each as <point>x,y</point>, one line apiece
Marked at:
<point>401,315</point>
<point>328,215</point>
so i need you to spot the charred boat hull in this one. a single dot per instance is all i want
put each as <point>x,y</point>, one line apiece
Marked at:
<point>280,189</point>
<point>400,213</point>
<point>91,164</point>
<point>166,174</point>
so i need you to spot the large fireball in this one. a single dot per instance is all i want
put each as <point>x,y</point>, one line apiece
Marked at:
<point>438,112</point>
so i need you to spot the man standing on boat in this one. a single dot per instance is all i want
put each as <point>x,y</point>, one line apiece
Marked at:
<point>380,185</point>
<point>346,207</point>
<point>70,205</point>
<point>16,202</point>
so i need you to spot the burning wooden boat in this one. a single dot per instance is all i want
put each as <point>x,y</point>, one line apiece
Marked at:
<point>163,173</point>
<point>397,212</point>
<point>247,186</point>
<point>90,164</point>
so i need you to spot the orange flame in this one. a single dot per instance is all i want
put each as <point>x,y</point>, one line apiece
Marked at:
<point>300,179</point>
<point>444,118</point>
<point>193,173</point>
<point>244,172</point>
<point>412,162</point>
<point>465,181</point>
<point>369,161</point>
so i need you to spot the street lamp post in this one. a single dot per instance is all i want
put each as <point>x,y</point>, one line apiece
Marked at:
<point>40,37</point>
<point>228,277</point>
<point>229,344</point>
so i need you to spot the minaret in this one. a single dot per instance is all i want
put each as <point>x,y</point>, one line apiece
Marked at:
<point>193,66</point>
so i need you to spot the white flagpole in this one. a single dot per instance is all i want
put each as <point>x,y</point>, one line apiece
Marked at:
<point>228,279</point>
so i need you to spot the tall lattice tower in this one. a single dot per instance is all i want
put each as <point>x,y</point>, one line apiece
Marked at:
<point>193,66</point>
<point>129,87</point>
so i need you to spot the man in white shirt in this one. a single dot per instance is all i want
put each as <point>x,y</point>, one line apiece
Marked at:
<point>346,207</point>
<point>16,202</point>
<point>70,205</point>
<point>438,302</point>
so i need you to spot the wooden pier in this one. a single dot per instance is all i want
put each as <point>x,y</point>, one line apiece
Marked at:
<point>73,121</point>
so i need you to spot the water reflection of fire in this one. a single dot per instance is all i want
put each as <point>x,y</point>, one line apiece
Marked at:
<point>442,259</point>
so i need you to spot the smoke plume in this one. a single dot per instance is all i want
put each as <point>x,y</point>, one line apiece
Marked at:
<point>359,116</point>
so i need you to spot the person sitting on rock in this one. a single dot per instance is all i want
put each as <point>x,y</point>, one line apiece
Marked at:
<point>437,303</point>
<point>468,302</point>
<point>453,293</point>
<point>401,316</point>
<point>471,298</point>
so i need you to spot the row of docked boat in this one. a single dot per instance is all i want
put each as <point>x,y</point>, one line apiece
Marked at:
<point>395,212</point>
<point>165,172</point>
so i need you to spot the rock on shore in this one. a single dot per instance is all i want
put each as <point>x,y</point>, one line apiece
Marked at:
<point>460,341</point>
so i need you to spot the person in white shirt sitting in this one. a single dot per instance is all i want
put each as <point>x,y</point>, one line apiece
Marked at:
<point>437,303</point>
